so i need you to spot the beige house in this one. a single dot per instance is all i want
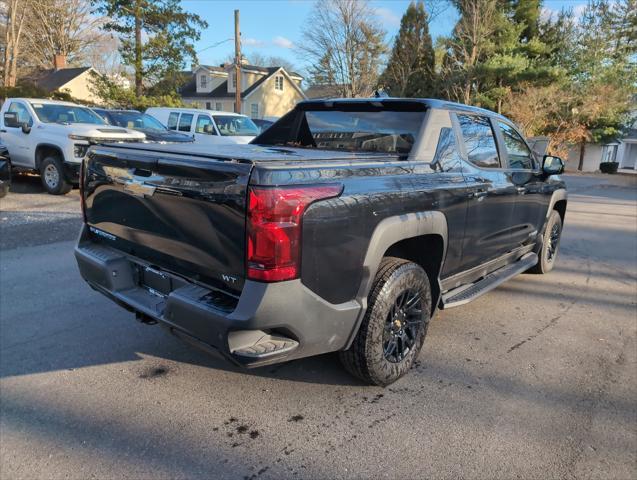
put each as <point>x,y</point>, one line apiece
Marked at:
<point>74,81</point>
<point>266,92</point>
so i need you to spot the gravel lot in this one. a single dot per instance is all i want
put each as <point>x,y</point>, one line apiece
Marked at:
<point>537,379</point>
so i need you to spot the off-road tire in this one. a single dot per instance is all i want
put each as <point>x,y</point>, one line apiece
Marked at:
<point>55,184</point>
<point>366,358</point>
<point>550,245</point>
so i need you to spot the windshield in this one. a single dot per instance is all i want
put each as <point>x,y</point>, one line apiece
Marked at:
<point>380,130</point>
<point>135,120</point>
<point>233,126</point>
<point>57,113</point>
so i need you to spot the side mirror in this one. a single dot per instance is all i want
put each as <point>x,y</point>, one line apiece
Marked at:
<point>552,165</point>
<point>11,120</point>
<point>25,128</point>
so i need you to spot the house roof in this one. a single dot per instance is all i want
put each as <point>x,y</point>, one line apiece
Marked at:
<point>52,79</point>
<point>190,89</point>
<point>323,91</point>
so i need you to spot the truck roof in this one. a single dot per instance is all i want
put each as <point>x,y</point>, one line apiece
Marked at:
<point>44,100</point>
<point>196,110</point>
<point>397,101</point>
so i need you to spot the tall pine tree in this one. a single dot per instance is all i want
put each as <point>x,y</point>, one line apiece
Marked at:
<point>410,69</point>
<point>156,36</point>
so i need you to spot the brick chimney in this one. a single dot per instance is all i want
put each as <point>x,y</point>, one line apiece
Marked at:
<point>59,62</point>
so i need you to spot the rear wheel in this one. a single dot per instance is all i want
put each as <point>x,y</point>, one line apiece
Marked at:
<point>52,175</point>
<point>395,324</point>
<point>550,244</point>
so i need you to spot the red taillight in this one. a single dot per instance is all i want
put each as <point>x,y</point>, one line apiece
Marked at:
<point>274,229</point>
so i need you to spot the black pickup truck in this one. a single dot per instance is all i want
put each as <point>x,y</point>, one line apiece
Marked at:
<point>343,227</point>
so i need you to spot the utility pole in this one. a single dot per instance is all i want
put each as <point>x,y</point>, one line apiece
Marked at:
<point>237,63</point>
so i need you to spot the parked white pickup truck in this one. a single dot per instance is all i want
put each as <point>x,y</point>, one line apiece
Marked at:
<point>52,137</point>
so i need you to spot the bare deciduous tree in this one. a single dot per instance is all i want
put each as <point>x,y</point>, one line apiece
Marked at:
<point>464,50</point>
<point>61,27</point>
<point>15,14</point>
<point>343,43</point>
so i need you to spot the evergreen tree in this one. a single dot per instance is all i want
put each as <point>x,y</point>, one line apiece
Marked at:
<point>156,36</point>
<point>410,70</point>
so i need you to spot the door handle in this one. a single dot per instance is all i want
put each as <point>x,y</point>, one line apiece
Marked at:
<point>3,131</point>
<point>478,194</point>
<point>521,190</point>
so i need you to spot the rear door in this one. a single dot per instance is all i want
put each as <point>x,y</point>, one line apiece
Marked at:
<point>176,213</point>
<point>532,200</point>
<point>491,192</point>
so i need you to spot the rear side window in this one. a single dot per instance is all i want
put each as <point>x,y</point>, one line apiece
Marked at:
<point>519,154</point>
<point>384,131</point>
<point>172,120</point>
<point>184,122</point>
<point>479,141</point>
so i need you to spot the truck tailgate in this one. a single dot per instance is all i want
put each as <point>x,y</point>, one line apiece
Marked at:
<point>179,214</point>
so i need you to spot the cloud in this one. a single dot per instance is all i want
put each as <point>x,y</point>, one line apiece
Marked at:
<point>252,42</point>
<point>387,16</point>
<point>282,42</point>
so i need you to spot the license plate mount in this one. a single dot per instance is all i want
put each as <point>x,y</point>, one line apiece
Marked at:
<point>154,280</point>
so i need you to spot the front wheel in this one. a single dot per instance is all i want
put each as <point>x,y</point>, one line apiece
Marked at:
<point>52,175</point>
<point>550,244</point>
<point>395,324</point>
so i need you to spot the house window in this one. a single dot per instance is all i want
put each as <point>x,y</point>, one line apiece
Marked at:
<point>609,153</point>
<point>234,80</point>
<point>218,106</point>
<point>254,110</point>
<point>203,81</point>
<point>278,82</point>
<point>208,105</point>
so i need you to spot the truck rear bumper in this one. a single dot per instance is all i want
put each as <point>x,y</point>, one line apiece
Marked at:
<point>288,319</point>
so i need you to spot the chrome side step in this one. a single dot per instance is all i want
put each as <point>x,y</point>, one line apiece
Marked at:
<point>466,293</point>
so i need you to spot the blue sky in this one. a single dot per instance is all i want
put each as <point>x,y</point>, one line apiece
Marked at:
<point>273,27</point>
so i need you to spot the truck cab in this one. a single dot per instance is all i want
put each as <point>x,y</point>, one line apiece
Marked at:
<point>52,137</point>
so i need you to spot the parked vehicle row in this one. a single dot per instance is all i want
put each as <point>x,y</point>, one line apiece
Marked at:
<point>52,137</point>
<point>343,227</point>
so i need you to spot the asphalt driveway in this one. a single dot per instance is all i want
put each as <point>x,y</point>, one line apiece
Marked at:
<point>537,379</point>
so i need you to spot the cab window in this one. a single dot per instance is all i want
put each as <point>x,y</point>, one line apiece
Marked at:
<point>184,122</point>
<point>172,120</point>
<point>479,141</point>
<point>520,155</point>
<point>22,112</point>
<point>204,125</point>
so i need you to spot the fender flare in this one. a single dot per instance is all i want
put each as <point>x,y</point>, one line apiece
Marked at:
<point>388,232</point>
<point>556,196</point>
<point>47,145</point>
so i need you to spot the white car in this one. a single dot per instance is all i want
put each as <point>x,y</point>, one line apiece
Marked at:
<point>207,126</point>
<point>52,138</point>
